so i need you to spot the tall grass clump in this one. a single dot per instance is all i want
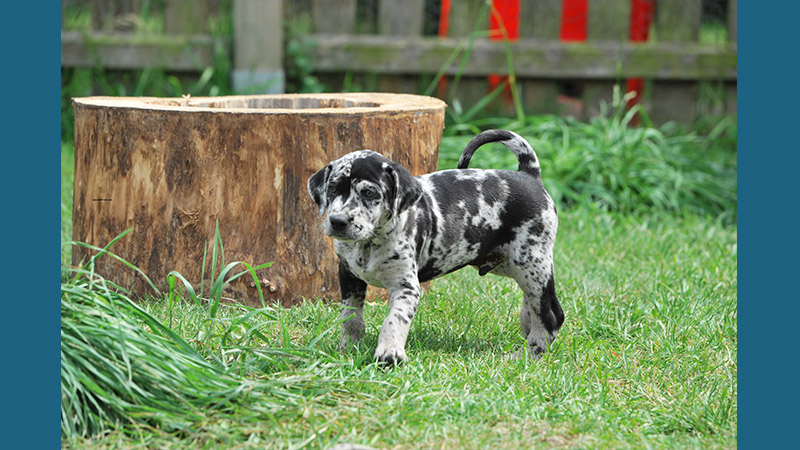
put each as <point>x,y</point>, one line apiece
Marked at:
<point>123,369</point>
<point>119,365</point>
<point>611,164</point>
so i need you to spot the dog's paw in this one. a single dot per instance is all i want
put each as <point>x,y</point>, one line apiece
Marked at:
<point>522,353</point>
<point>388,356</point>
<point>352,332</point>
<point>349,340</point>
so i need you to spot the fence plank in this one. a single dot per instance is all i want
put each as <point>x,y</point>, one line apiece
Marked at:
<point>463,14</point>
<point>109,15</point>
<point>400,19</point>
<point>730,86</point>
<point>532,58</point>
<point>539,19</point>
<point>732,21</point>
<point>462,20</point>
<point>676,21</point>
<point>258,46</point>
<point>608,20</point>
<point>186,16</point>
<point>333,16</point>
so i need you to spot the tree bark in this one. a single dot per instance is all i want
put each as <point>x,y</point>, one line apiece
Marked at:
<point>171,169</point>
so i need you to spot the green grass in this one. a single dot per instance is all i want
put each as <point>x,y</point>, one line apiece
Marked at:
<point>646,358</point>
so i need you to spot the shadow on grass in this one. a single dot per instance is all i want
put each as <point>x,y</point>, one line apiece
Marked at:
<point>429,340</point>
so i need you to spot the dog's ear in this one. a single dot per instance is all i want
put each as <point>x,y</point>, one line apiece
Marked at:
<point>318,187</point>
<point>406,188</point>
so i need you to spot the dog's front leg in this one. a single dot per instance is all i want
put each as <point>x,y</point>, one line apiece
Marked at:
<point>354,290</point>
<point>403,301</point>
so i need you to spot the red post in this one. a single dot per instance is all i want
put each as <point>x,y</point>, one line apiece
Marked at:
<point>641,19</point>
<point>444,18</point>
<point>574,15</point>
<point>444,24</point>
<point>503,24</point>
<point>574,19</point>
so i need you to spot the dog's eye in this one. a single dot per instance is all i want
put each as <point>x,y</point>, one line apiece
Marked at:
<point>331,190</point>
<point>369,193</point>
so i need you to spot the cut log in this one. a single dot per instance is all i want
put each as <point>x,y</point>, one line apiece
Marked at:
<point>171,169</point>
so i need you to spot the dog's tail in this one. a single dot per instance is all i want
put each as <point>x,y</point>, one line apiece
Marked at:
<point>528,162</point>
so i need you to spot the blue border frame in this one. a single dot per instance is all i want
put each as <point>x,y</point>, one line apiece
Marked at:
<point>767,267</point>
<point>767,197</point>
<point>31,329</point>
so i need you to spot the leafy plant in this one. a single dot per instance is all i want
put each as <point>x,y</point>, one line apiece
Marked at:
<point>612,165</point>
<point>297,56</point>
<point>211,304</point>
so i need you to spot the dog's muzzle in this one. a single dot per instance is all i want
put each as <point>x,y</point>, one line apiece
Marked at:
<point>339,223</point>
<point>340,226</point>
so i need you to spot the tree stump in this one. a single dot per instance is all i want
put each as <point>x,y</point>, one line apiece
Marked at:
<point>171,169</point>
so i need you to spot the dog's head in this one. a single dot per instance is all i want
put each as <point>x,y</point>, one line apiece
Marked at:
<point>362,191</point>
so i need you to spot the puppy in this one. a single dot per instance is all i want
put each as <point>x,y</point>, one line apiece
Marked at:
<point>394,231</point>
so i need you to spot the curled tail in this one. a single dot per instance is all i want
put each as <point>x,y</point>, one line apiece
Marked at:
<point>528,162</point>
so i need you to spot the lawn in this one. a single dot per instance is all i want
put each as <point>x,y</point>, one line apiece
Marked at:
<point>647,357</point>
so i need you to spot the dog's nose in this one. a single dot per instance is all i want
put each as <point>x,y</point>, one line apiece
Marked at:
<point>339,221</point>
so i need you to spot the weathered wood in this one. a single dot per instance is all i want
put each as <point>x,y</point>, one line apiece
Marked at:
<point>401,18</point>
<point>333,16</point>
<point>608,20</point>
<point>730,86</point>
<point>258,51</point>
<point>676,21</point>
<point>539,19</point>
<point>730,98</point>
<point>186,16</point>
<point>171,168</point>
<point>465,17</point>
<point>532,58</point>
<point>114,15</point>
<point>133,52</point>
<point>401,84</point>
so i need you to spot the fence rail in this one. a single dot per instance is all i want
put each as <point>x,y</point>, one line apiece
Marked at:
<point>531,58</point>
<point>132,51</point>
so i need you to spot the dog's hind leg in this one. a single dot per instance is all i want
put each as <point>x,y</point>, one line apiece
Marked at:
<point>541,315</point>
<point>354,291</point>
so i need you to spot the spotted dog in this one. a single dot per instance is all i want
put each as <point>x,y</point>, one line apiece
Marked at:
<point>394,230</point>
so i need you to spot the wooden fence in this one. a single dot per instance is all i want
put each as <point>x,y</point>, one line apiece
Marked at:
<point>566,54</point>
<point>115,41</point>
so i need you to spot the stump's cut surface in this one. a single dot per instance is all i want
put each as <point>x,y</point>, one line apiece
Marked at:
<point>171,168</point>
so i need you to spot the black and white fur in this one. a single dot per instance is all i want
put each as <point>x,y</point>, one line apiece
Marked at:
<point>394,230</point>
